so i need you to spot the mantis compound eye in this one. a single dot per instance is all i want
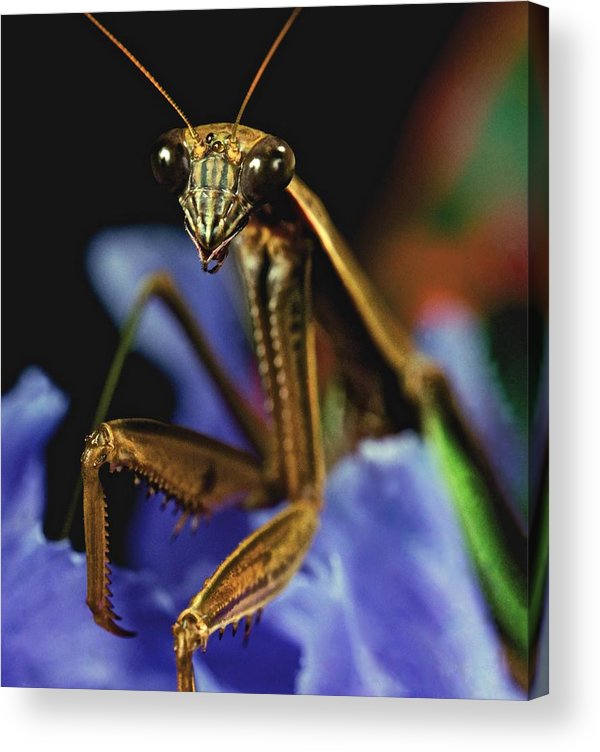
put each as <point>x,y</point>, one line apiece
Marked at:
<point>170,163</point>
<point>268,168</point>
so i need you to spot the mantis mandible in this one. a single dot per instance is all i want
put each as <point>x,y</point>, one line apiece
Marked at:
<point>239,194</point>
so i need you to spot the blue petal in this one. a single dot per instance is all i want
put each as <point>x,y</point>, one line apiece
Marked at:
<point>30,414</point>
<point>389,603</point>
<point>49,638</point>
<point>454,338</point>
<point>267,665</point>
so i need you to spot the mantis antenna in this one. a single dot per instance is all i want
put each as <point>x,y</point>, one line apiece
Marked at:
<point>146,73</point>
<point>286,27</point>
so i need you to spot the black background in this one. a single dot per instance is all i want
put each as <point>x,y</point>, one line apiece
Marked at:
<point>78,125</point>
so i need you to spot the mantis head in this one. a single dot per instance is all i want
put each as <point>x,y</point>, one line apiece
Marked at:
<point>221,175</point>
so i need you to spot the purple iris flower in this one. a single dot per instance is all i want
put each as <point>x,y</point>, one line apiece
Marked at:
<point>387,602</point>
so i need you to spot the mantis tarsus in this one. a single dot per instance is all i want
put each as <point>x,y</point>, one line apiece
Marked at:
<point>238,190</point>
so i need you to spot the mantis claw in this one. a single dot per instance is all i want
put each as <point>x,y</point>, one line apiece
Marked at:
<point>106,620</point>
<point>205,473</point>
<point>99,449</point>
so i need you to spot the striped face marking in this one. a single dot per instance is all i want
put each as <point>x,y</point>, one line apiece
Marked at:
<point>214,210</point>
<point>220,180</point>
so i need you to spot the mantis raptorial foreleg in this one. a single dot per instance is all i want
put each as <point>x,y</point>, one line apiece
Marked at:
<point>201,474</point>
<point>250,577</point>
<point>276,267</point>
<point>197,472</point>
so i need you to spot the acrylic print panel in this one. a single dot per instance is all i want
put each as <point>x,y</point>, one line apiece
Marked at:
<point>401,446</point>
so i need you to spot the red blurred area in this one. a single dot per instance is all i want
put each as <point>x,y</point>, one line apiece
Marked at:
<point>456,218</point>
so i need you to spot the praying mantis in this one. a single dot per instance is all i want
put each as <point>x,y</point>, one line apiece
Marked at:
<point>240,197</point>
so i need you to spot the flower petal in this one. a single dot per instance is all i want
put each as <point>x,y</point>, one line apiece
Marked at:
<point>30,414</point>
<point>389,603</point>
<point>49,638</point>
